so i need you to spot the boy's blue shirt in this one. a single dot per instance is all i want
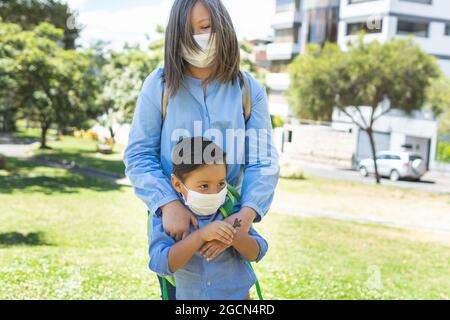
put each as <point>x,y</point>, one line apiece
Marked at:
<point>228,277</point>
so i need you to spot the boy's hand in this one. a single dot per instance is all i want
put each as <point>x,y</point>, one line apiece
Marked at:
<point>242,220</point>
<point>218,230</point>
<point>213,249</point>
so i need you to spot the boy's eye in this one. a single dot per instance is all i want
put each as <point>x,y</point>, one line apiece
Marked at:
<point>204,187</point>
<point>222,184</point>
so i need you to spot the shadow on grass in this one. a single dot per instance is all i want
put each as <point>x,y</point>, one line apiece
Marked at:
<point>86,158</point>
<point>23,179</point>
<point>32,239</point>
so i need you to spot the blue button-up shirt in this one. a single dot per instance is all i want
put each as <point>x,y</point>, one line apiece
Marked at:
<point>228,277</point>
<point>190,113</point>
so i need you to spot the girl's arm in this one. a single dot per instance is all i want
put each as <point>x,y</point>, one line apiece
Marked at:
<point>181,252</point>
<point>261,158</point>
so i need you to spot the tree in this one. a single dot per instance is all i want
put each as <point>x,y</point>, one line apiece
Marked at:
<point>438,98</point>
<point>30,13</point>
<point>51,85</point>
<point>121,77</point>
<point>8,83</point>
<point>374,77</point>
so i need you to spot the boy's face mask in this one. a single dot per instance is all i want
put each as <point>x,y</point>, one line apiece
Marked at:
<point>205,57</point>
<point>205,204</point>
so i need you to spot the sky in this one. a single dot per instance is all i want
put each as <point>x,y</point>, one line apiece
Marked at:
<point>134,21</point>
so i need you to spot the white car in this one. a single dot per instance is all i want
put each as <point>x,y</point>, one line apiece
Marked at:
<point>395,165</point>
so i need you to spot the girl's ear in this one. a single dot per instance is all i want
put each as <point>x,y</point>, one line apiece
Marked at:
<point>176,183</point>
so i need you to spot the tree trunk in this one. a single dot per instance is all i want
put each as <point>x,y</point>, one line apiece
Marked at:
<point>44,130</point>
<point>374,154</point>
<point>112,133</point>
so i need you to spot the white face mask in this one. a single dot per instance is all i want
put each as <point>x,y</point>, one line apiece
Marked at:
<point>205,204</point>
<point>205,57</point>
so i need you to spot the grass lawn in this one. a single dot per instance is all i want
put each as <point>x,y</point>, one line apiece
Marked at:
<point>65,236</point>
<point>81,151</point>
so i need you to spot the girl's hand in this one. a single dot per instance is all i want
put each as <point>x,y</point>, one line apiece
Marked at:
<point>177,220</point>
<point>218,230</point>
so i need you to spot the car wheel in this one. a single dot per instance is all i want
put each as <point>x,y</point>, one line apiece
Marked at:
<point>395,176</point>
<point>363,171</point>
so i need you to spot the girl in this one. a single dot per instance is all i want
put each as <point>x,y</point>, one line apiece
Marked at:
<point>200,177</point>
<point>202,81</point>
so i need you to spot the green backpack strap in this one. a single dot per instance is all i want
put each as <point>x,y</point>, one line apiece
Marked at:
<point>227,210</point>
<point>246,99</point>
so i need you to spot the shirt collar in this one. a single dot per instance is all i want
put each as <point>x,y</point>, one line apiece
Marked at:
<point>195,87</point>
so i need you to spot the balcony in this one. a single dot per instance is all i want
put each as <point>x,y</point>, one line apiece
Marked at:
<point>284,20</point>
<point>278,81</point>
<point>282,51</point>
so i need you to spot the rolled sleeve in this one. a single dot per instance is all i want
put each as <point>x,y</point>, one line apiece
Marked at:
<point>160,244</point>
<point>263,245</point>
<point>261,172</point>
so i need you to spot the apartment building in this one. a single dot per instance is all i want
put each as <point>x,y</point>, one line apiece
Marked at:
<point>427,20</point>
<point>297,23</point>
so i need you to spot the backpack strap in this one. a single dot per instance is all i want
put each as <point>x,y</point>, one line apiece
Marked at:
<point>164,102</point>
<point>246,99</point>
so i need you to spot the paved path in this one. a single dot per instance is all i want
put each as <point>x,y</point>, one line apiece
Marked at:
<point>14,149</point>
<point>431,182</point>
<point>279,205</point>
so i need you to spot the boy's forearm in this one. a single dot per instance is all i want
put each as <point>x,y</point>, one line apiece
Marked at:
<point>183,250</point>
<point>246,245</point>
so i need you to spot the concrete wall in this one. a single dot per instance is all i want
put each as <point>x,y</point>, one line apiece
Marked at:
<point>321,144</point>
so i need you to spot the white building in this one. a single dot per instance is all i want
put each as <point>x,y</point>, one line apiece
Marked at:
<point>299,22</point>
<point>396,131</point>
<point>427,20</point>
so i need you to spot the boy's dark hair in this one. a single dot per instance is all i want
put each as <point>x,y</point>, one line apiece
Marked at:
<point>191,154</point>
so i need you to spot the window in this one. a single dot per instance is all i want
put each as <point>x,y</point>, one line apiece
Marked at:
<point>280,66</point>
<point>285,5</point>
<point>322,25</point>
<point>419,1</point>
<point>286,35</point>
<point>368,27</point>
<point>447,29</point>
<point>358,1</point>
<point>419,29</point>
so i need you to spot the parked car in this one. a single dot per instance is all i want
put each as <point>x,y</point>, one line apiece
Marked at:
<point>395,165</point>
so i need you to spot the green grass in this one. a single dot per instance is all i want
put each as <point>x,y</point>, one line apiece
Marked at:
<point>64,236</point>
<point>82,152</point>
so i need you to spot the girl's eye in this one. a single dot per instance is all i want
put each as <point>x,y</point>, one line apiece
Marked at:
<point>204,28</point>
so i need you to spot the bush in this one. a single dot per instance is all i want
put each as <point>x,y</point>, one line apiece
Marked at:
<point>291,172</point>
<point>443,153</point>
<point>277,121</point>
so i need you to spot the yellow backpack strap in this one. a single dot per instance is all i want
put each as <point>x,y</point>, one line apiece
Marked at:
<point>246,98</point>
<point>164,103</point>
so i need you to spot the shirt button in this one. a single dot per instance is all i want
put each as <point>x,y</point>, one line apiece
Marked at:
<point>209,283</point>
